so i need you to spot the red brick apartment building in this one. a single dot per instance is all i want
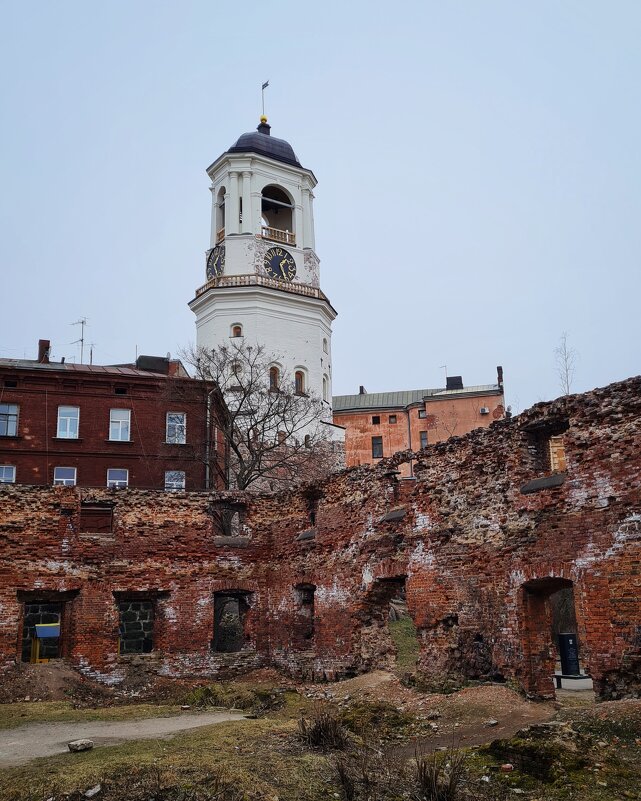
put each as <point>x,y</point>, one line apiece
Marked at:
<point>147,425</point>
<point>380,424</point>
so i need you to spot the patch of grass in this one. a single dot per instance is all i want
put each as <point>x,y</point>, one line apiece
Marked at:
<point>403,633</point>
<point>374,717</point>
<point>19,714</point>
<point>257,699</point>
<point>254,752</point>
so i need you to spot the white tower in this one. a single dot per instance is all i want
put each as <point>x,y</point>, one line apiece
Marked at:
<point>262,270</point>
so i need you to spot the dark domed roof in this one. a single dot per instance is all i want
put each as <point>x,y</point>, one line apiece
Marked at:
<point>260,141</point>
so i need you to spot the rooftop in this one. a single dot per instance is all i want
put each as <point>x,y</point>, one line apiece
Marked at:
<point>385,400</point>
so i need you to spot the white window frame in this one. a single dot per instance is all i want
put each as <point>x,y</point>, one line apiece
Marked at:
<point>119,426</point>
<point>8,414</point>
<point>175,484</point>
<point>63,432</point>
<point>3,479</point>
<point>119,483</point>
<point>65,482</point>
<point>175,440</point>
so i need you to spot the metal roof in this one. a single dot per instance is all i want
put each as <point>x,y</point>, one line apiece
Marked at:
<point>96,369</point>
<point>384,400</point>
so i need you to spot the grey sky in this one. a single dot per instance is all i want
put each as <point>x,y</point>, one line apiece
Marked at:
<point>478,161</point>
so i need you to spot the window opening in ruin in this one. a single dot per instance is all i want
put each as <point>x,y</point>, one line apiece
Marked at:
<point>41,631</point>
<point>392,419</point>
<point>313,497</point>
<point>95,518</point>
<point>228,519</point>
<point>377,447</point>
<point>136,626</point>
<point>546,447</point>
<point>304,617</point>
<point>231,611</point>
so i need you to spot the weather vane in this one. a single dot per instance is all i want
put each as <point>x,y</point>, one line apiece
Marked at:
<point>265,85</point>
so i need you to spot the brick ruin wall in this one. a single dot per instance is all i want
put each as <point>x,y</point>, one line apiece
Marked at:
<point>479,540</point>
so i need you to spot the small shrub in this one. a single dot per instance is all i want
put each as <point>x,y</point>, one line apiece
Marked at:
<point>440,775</point>
<point>324,730</point>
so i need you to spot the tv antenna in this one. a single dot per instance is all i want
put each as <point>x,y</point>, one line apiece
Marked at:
<point>82,322</point>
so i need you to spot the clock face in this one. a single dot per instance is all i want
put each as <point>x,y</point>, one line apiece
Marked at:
<point>280,264</point>
<point>216,262</point>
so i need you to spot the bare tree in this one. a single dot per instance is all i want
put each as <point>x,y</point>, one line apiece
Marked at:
<point>565,357</point>
<point>273,429</point>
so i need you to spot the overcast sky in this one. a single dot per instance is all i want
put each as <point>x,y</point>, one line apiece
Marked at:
<point>479,168</point>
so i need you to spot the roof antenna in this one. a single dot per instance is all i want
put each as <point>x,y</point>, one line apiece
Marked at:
<point>265,85</point>
<point>82,322</point>
<point>444,367</point>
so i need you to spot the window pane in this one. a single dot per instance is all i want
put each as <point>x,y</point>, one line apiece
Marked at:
<point>423,439</point>
<point>68,417</point>
<point>65,476</point>
<point>7,474</point>
<point>377,447</point>
<point>119,424</point>
<point>117,477</point>
<point>8,419</point>
<point>176,427</point>
<point>174,480</point>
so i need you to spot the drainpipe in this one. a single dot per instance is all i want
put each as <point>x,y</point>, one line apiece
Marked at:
<point>409,439</point>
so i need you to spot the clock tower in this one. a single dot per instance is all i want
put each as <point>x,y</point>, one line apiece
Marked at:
<point>261,269</point>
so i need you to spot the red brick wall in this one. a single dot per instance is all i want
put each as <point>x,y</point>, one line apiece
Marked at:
<point>479,558</point>
<point>36,451</point>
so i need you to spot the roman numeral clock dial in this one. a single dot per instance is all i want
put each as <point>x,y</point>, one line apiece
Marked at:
<point>279,264</point>
<point>216,262</point>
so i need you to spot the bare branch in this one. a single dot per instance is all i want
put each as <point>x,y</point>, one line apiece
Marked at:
<point>565,357</point>
<point>275,435</point>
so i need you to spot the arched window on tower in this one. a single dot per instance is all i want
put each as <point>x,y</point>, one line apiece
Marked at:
<point>325,346</point>
<point>325,389</point>
<point>274,378</point>
<point>277,216</point>
<point>299,382</point>
<point>237,330</point>
<point>220,214</point>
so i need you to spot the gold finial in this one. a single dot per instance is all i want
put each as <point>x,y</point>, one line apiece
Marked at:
<point>263,118</point>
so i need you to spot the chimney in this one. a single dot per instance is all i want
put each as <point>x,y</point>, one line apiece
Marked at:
<point>362,390</point>
<point>499,377</point>
<point>454,382</point>
<point>44,348</point>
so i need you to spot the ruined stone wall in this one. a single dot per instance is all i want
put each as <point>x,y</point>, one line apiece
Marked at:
<point>480,540</point>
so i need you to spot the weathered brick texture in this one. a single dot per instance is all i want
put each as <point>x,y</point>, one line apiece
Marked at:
<point>316,569</point>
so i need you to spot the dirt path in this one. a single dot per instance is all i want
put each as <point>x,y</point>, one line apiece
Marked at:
<point>21,745</point>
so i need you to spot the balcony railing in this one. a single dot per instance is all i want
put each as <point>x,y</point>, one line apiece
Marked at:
<point>276,235</point>
<point>220,235</point>
<point>261,280</point>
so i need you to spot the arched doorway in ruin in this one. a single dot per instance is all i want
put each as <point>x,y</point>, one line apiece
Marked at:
<point>550,636</point>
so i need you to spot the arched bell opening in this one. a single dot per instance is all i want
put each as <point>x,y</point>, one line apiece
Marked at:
<point>220,214</point>
<point>277,215</point>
